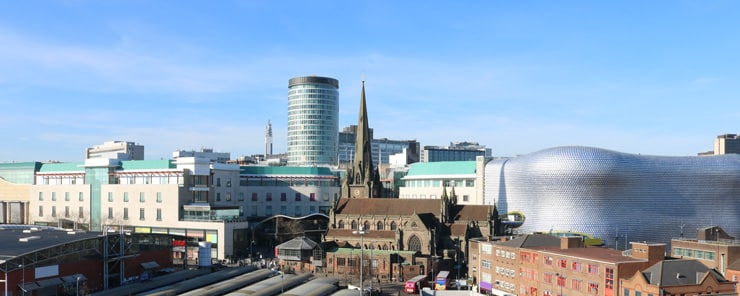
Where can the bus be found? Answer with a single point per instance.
(440, 282)
(414, 284)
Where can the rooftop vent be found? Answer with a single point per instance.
(27, 239)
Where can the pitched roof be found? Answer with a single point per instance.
(470, 213)
(679, 272)
(458, 230)
(298, 243)
(533, 241)
(371, 234)
(387, 206)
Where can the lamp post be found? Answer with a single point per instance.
(362, 233)
(23, 282)
(5, 282)
(78, 286)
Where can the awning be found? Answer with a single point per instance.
(150, 265)
(72, 279)
(50, 282)
(28, 286)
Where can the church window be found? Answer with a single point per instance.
(366, 225)
(341, 224)
(354, 224)
(413, 224)
(380, 226)
(393, 225)
(414, 243)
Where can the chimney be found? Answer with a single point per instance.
(571, 242)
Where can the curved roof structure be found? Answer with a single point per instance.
(618, 197)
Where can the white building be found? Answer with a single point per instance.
(427, 180)
(116, 149)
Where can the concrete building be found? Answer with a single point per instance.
(202, 200)
(206, 153)
(313, 120)
(712, 246)
(727, 144)
(382, 150)
(457, 151)
(617, 197)
(428, 180)
(116, 149)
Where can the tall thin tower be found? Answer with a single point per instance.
(363, 180)
(313, 120)
(268, 139)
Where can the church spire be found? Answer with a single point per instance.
(362, 179)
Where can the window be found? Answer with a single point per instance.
(41, 196)
(283, 210)
(393, 225)
(218, 196)
(125, 213)
(66, 196)
(626, 292)
(593, 269)
(379, 226)
(311, 209)
(638, 293)
(269, 196)
(80, 212)
(341, 224)
(268, 210)
(159, 197)
(66, 211)
(340, 261)
(609, 278)
(141, 197)
(593, 288)
(254, 196)
(326, 196)
(414, 243)
(486, 264)
(110, 213)
(254, 210)
(353, 225)
(548, 260)
(228, 196)
(53, 196)
(41, 211)
(576, 266)
(218, 182)
(110, 196)
(562, 263)
(80, 197)
(312, 197)
(366, 225)
(678, 251)
(228, 182)
(298, 210)
(297, 197)
(53, 211)
(141, 214)
(575, 284)
(241, 196)
(465, 198)
(283, 196)
(125, 197)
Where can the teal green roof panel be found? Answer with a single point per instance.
(62, 167)
(285, 170)
(442, 168)
(162, 164)
(30, 165)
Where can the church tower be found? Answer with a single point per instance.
(363, 180)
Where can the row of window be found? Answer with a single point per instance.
(284, 211)
(698, 254)
(431, 196)
(142, 214)
(284, 196)
(80, 196)
(575, 266)
(142, 197)
(378, 226)
(439, 183)
(67, 213)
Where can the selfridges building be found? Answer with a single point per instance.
(615, 196)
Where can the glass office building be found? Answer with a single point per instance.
(313, 120)
(615, 196)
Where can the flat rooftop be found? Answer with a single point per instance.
(18, 240)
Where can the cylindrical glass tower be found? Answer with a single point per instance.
(313, 120)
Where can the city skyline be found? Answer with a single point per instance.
(644, 78)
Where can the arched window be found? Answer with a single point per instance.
(379, 226)
(354, 224)
(366, 225)
(413, 224)
(385, 247)
(341, 224)
(393, 225)
(414, 243)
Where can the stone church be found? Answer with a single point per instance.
(429, 227)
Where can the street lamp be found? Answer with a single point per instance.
(23, 282)
(362, 233)
(78, 286)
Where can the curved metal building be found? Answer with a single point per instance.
(616, 196)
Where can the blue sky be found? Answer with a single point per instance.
(649, 77)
